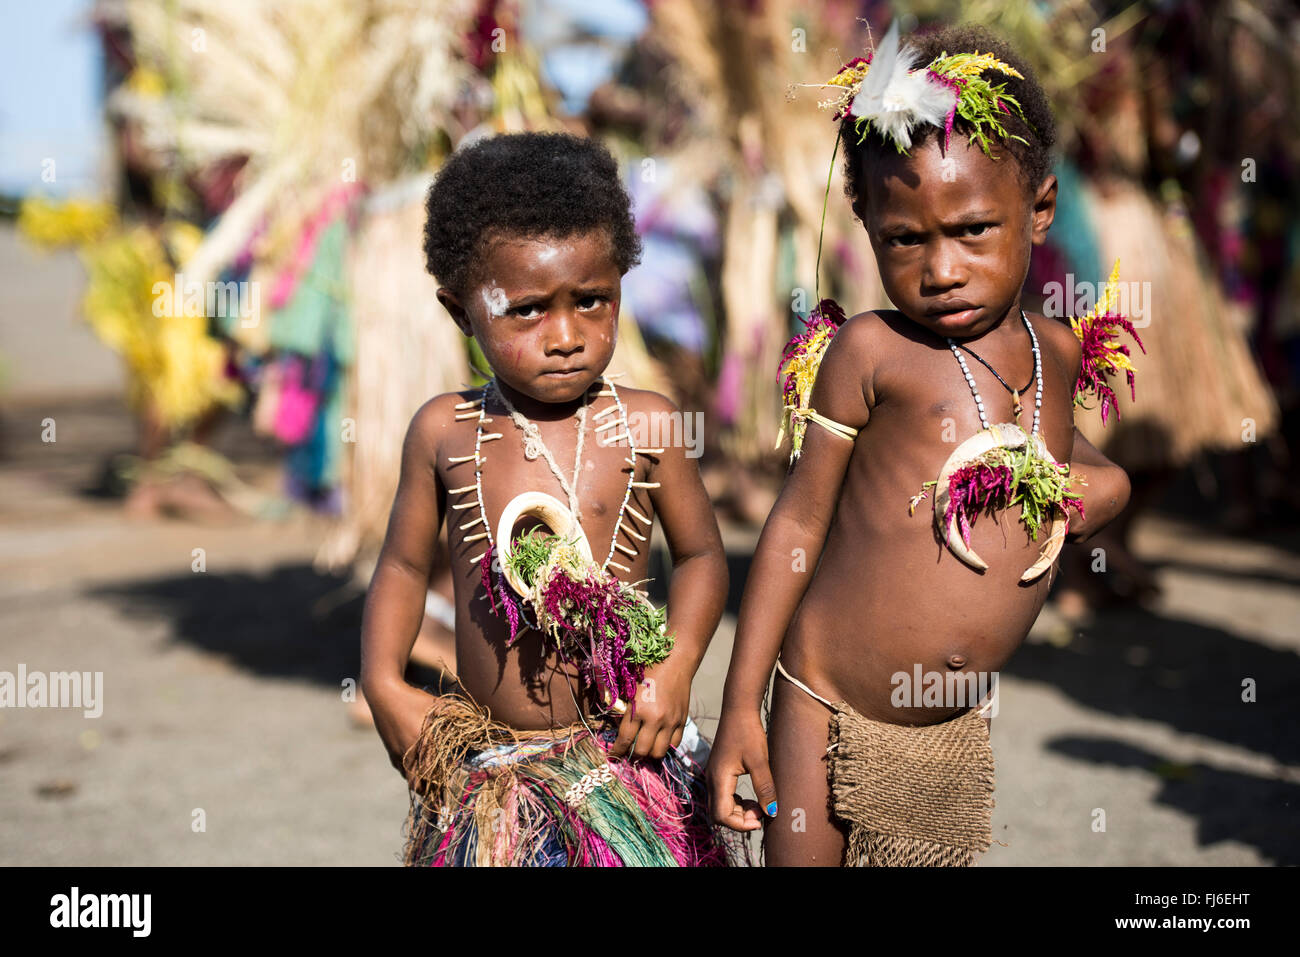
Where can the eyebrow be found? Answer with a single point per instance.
(594, 288)
(974, 216)
(961, 219)
(528, 299)
(898, 229)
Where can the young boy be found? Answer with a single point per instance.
(907, 778)
(529, 236)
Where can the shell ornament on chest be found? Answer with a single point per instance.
(982, 471)
(1002, 465)
(608, 628)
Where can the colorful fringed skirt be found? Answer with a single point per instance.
(483, 794)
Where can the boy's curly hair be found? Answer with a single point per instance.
(1034, 159)
(528, 185)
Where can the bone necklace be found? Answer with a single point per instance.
(534, 446)
(524, 504)
(1006, 435)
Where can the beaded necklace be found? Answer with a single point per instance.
(1038, 377)
(986, 472)
(1015, 393)
(477, 409)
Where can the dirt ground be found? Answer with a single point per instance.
(223, 703)
(223, 690)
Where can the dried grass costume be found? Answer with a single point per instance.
(484, 794)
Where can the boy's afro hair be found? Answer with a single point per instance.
(1034, 159)
(528, 185)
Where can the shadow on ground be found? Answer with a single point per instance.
(1134, 663)
(1227, 805)
(290, 622)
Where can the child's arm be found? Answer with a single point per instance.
(784, 561)
(697, 591)
(1105, 494)
(394, 605)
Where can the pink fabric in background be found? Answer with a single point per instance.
(297, 408)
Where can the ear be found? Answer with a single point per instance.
(451, 302)
(1044, 210)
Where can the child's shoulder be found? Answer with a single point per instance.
(644, 401)
(655, 421)
(437, 415)
(868, 337)
(877, 327)
(1057, 339)
(847, 373)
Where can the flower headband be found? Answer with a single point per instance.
(888, 92)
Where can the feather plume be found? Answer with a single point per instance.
(896, 96)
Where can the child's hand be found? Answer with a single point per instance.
(399, 714)
(662, 706)
(740, 747)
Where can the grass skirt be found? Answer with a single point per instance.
(484, 794)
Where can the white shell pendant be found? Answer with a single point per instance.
(552, 513)
(1003, 435)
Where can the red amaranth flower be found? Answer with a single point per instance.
(485, 573)
(829, 315)
(974, 488)
(511, 608)
(586, 614)
(1099, 362)
(1075, 502)
(955, 85)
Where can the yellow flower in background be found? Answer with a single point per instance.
(146, 81)
(850, 75)
(1107, 303)
(75, 222)
(173, 364)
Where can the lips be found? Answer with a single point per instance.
(950, 306)
(564, 373)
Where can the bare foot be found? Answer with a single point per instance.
(193, 497)
(144, 500)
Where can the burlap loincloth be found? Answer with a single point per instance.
(912, 796)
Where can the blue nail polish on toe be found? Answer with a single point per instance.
(771, 809)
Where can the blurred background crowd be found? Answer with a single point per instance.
(282, 150)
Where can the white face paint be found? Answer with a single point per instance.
(494, 298)
(547, 254)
